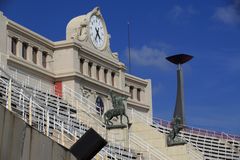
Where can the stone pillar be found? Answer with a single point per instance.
(142, 95)
(49, 62)
(109, 103)
(3, 31)
(109, 77)
(19, 48)
(9, 44)
(134, 93)
(39, 57)
(127, 88)
(29, 53)
(85, 67)
(121, 79)
(94, 71)
(101, 74)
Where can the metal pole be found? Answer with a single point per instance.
(47, 125)
(9, 106)
(129, 53)
(30, 111)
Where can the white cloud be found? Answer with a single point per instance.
(147, 56)
(179, 11)
(228, 14)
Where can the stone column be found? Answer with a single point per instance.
(142, 96)
(19, 48)
(9, 44)
(49, 62)
(116, 80)
(134, 93)
(127, 88)
(109, 77)
(121, 79)
(109, 103)
(94, 70)
(101, 74)
(85, 67)
(29, 53)
(39, 57)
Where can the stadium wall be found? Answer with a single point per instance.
(19, 141)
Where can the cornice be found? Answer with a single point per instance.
(131, 78)
(15, 26)
(137, 104)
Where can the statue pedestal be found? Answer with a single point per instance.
(118, 134)
(175, 141)
(120, 126)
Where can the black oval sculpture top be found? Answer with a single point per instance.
(179, 58)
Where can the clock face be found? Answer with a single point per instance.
(97, 32)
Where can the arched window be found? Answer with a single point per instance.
(100, 105)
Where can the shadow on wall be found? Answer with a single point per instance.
(19, 141)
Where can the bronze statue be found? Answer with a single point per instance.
(118, 110)
(173, 138)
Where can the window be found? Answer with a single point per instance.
(98, 72)
(90, 69)
(34, 55)
(138, 94)
(99, 105)
(14, 46)
(81, 65)
(131, 91)
(105, 75)
(24, 50)
(44, 59)
(112, 77)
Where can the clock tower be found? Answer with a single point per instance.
(90, 31)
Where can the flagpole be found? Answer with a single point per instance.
(129, 50)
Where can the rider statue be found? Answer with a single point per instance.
(118, 110)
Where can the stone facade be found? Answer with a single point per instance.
(75, 62)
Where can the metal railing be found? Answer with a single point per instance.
(90, 107)
(119, 150)
(40, 118)
(200, 131)
(208, 142)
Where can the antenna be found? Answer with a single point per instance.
(129, 50)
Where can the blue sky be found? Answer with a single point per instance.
(208, 30)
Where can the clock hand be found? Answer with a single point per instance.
(97, 35)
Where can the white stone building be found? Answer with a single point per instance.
(83, 62)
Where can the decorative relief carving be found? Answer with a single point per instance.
(86, 93)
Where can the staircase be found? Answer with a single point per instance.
(86, 112)
(49, 118)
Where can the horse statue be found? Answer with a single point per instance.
(118, 110)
